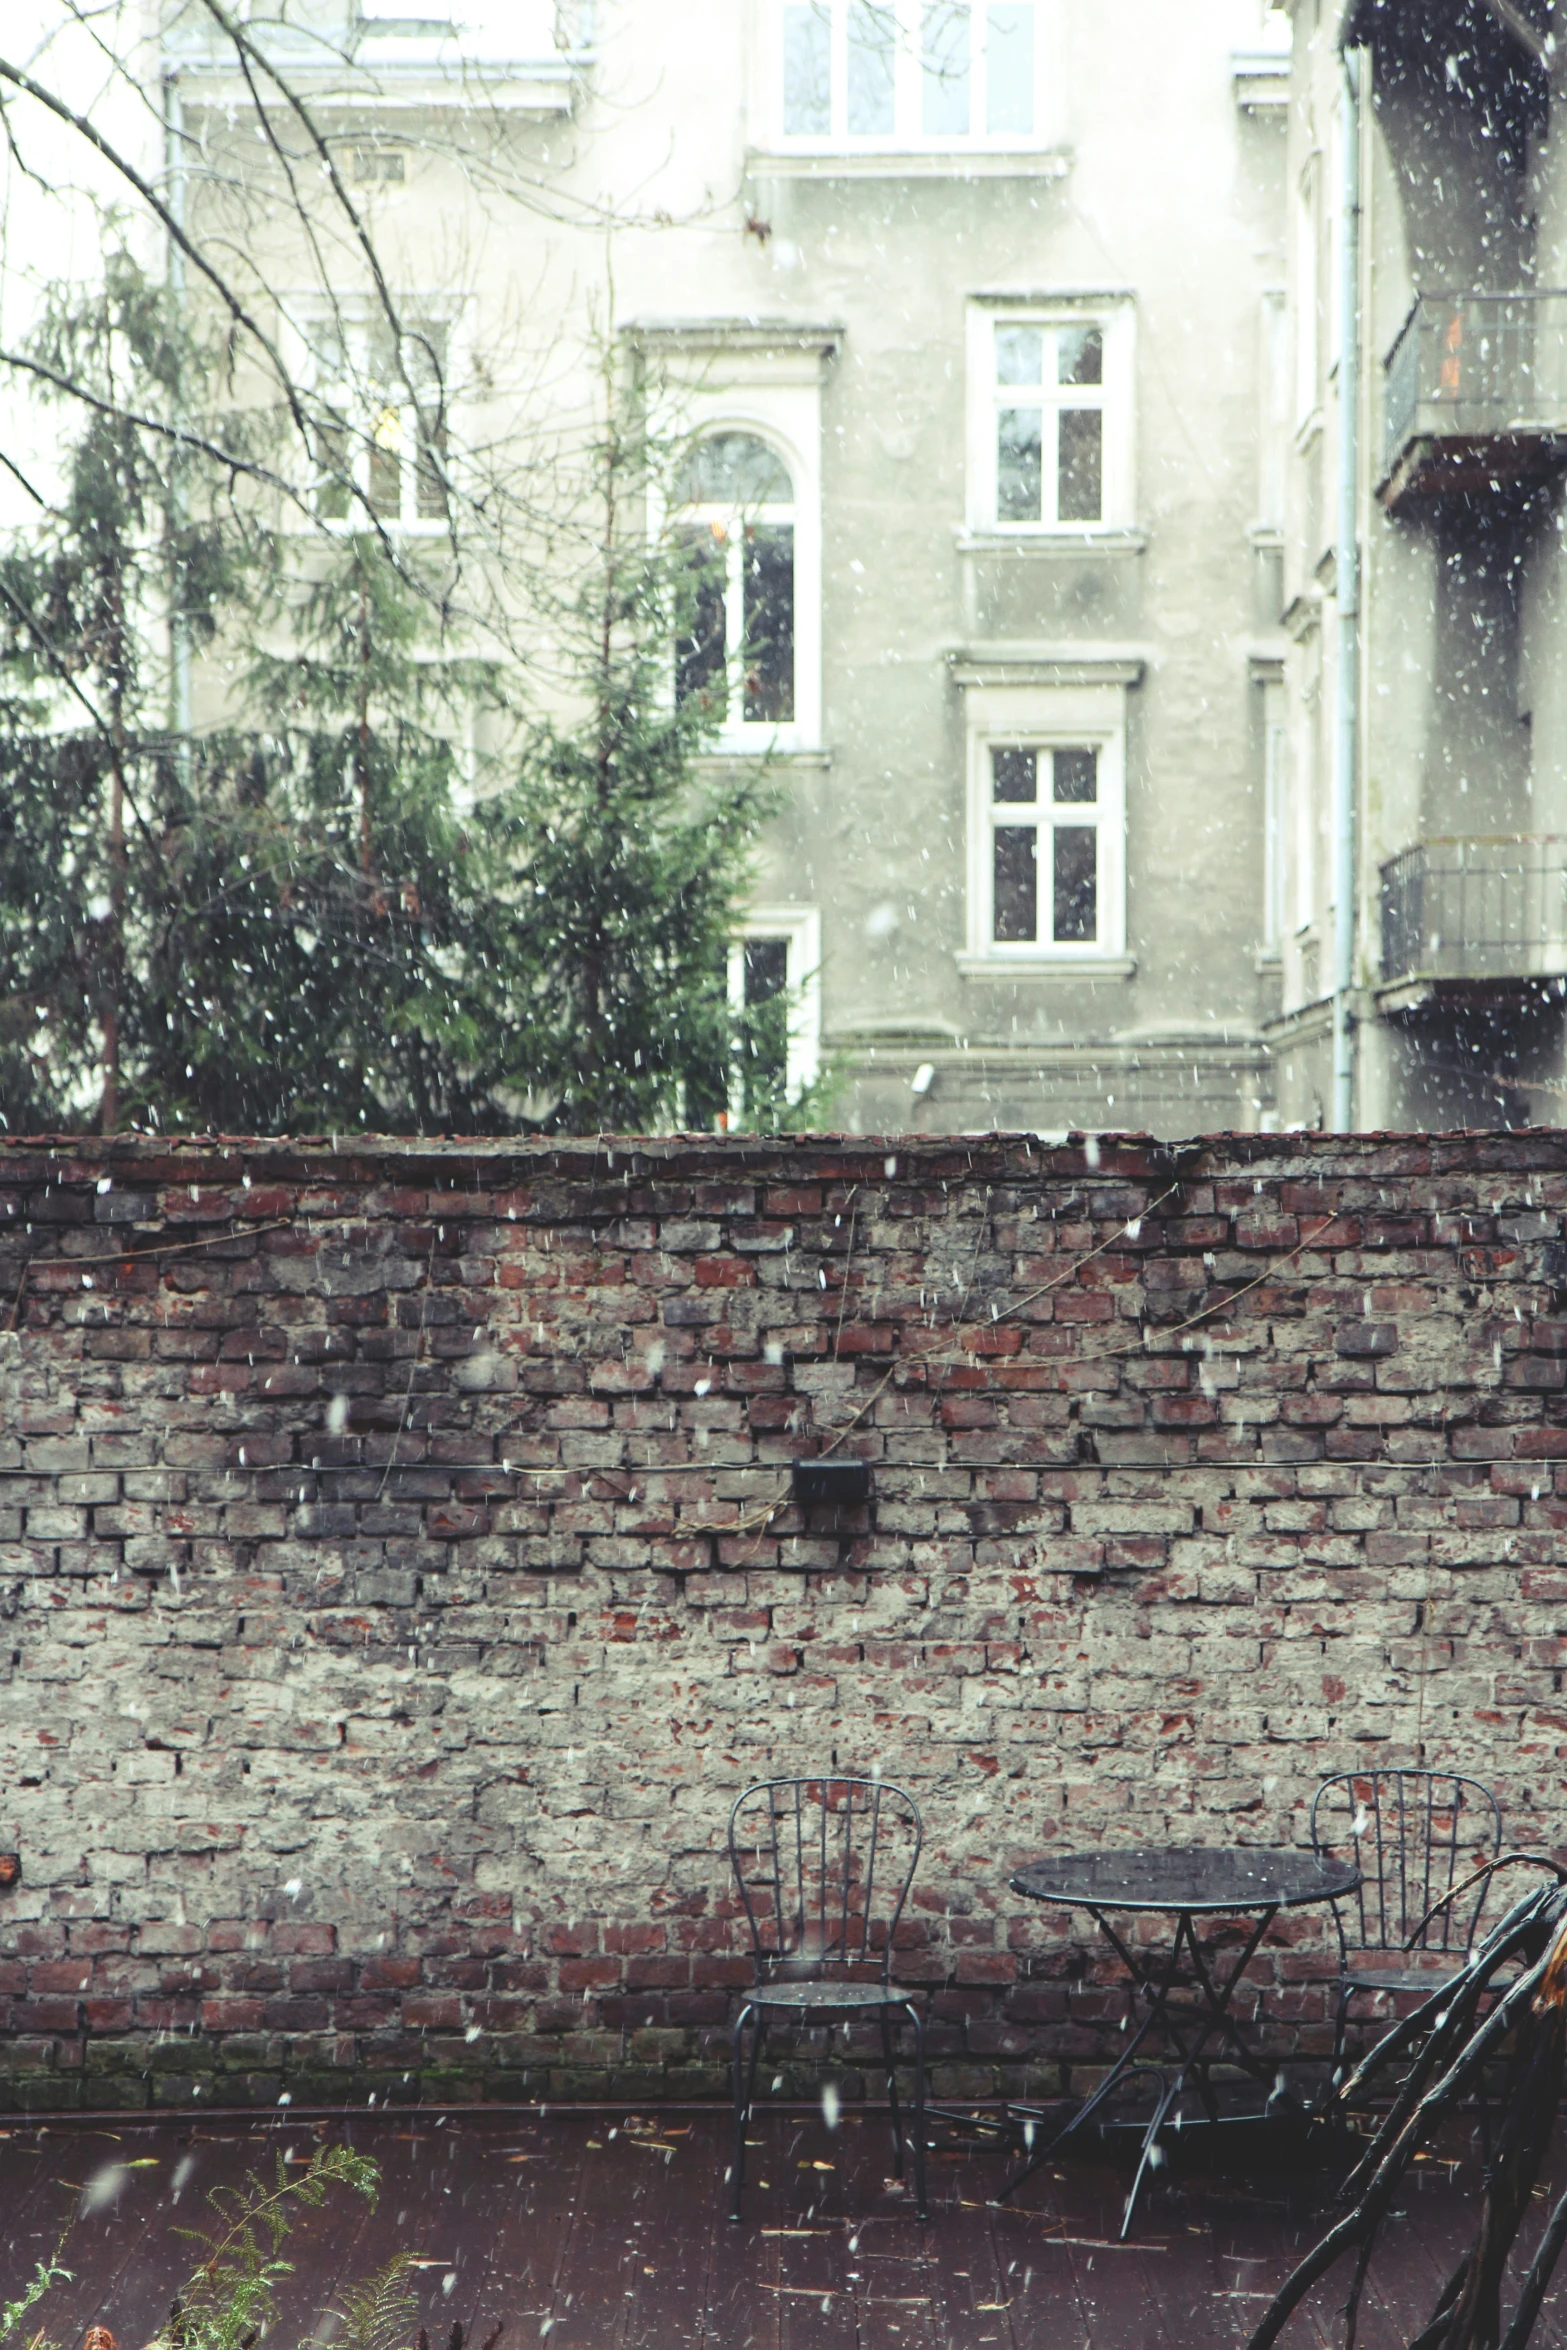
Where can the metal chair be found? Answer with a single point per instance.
(810, 1857)
(1414, 1835)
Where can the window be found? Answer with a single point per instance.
(764, 1043)
(734, 515)
(1274, 420)
(743, 402)
(775, 977)
(1044, 859)
(907, 74)
(388, 165)
(382, 404)
(1050, 458)
(1047, 848)
(1051, 397)
(1307, 290)
(1274, 845)
(477, 31)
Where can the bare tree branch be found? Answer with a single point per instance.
(196, 442)
(149, 195)
(1539, 45)
(250, 55)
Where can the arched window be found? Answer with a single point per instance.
(734, 515)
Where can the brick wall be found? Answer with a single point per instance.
(398, 1581)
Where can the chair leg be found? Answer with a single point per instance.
(1340, 2034)
(889, 2057)
(744, 2092)
(918, 2022)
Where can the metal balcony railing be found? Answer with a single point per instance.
(1479, 369)
(1482, 908)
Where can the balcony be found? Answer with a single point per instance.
(1478, 915)
(1476, 396)
(384, 59)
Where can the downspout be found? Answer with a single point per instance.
(179, 618)
(1347, 601)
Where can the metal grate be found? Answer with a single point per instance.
(1481, 908)
(1478, 367)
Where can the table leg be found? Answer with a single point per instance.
(1194, 2061)
(1125, 2063)
(1145, 2159)
(1220, 1995)
(1190, 2045)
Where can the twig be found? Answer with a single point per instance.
(1219, 1305)
(1467, 2316)
(843, 1290)
(122, 1256)
(1536, 1860)
(1538, 45)
(413, 1373)
(930, 1360)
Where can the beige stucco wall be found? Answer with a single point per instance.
(649, 203)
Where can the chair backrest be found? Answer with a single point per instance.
(824, 1868)
(1413, 1835)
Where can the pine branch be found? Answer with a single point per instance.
(126, 170)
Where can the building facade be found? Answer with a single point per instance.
(977, 311)
(1426, 777)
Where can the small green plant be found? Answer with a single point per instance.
(375, 2315)
(229, 2300)
(46, 2273)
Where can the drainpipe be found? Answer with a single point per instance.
(1347, 600)
(179, 619)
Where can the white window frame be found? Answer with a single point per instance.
(1046, 718)
(529, 27)
(1304, 774)
(1275, 860)
(908, 135)
(727, 521)
(1310, 326)
(1273, 435)
(708, 385)
(359, 318)
(800, 927)
(1115, 396)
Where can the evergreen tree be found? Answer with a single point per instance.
(290, 915)
(306, 918)
(89, 783)
(628, 862)
(259, 927)
(378, 885)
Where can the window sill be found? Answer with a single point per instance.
(392, 75)
(1004, 968)
(908, 163)
(1003, 663)
(363, 525)
(1262, 80)
(1108, 539)
(722, 754)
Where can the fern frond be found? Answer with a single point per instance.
(376, 2314)
(230, 2298)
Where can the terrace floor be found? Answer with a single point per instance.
(596, 2229)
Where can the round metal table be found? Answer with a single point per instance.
(1186, 1885)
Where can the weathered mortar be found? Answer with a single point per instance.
(391, 1749)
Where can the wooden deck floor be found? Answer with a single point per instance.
(592, 2230)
